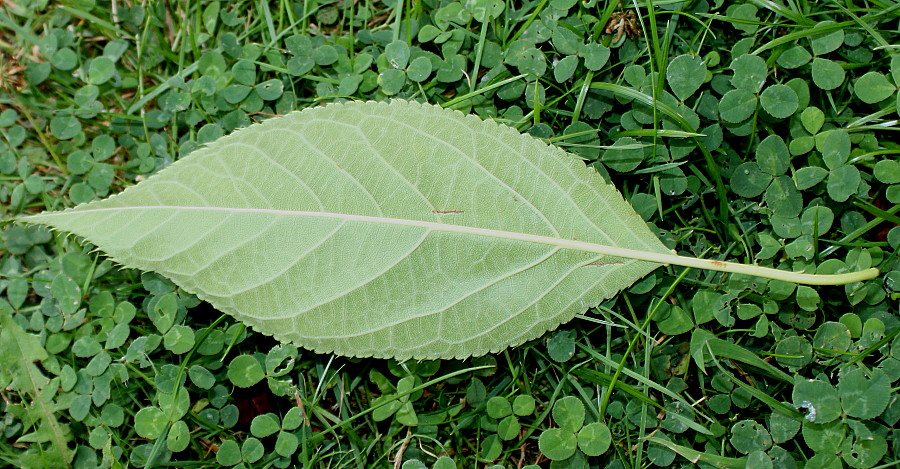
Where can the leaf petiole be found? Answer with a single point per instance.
(732, 267)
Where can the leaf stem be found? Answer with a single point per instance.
(737, 268)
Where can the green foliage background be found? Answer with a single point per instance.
(755, 131)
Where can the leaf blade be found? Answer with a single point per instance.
(424, 233)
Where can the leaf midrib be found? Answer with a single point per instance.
(428, 225)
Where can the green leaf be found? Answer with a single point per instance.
(406, 415)
(595, 56)
(508, 428)
(201, 377)
(484, 10)
(326, 54)
(65, 127)
(150, 422)
(20, 352)
(557, 444)
(685, 75)
(759, 460)
(245, 371)
(749, 73)
(565, 68)
(64, 59)
(824, 437)
(179, 339)
(280, 360)
(498, 407)
(624, 155)
(419, 69)
(561, 346)
(794, 57)
(527, 58)
(834, 146)
(825, 461)
(300, 65)
(594, 439)
(873, 87)
(819, 399)
(887, 171)
(523, 405)
(843, 183)
(102, 69)
(397, 54)
(773, 156)
(779, 100)
(244, 72)
(286, 444)
(782, 428)
(827, 75)
(264, 425)
(737, 105)
(444, 462)
(179, 437)
(163, 312)
(677, 322)
(863, 396)
(863, 452)
(748, 180)
(234, 94)
(566, 42)
(816, 220)
(270, 90)
(392, 81)
(79, 162)
(784, 198)
(568, 413)
(812, 118)
(229, 453)
(832, 336)
(66, 292)
(103, 147)
(824, 43)
(793, 352)
(219, 243)
(747, 436)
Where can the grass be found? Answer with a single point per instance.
(761, 132)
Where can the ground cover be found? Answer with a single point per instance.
(756, 131)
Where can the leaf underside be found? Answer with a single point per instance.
(377, 229)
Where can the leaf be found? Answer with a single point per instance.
(874, 87)
(737, 105)
(827, 74)
(779, 100)
(685, 74)
(750, 72)
(19, 351)
(824, 43)
(594, 439)
(389, 230)
(568, 413)
(150, 422)
(818, 398)
(862, 396)
(245, 371)
(748, 436)
(557, 444)
(374, 229)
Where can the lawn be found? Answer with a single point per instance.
(760, 132)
